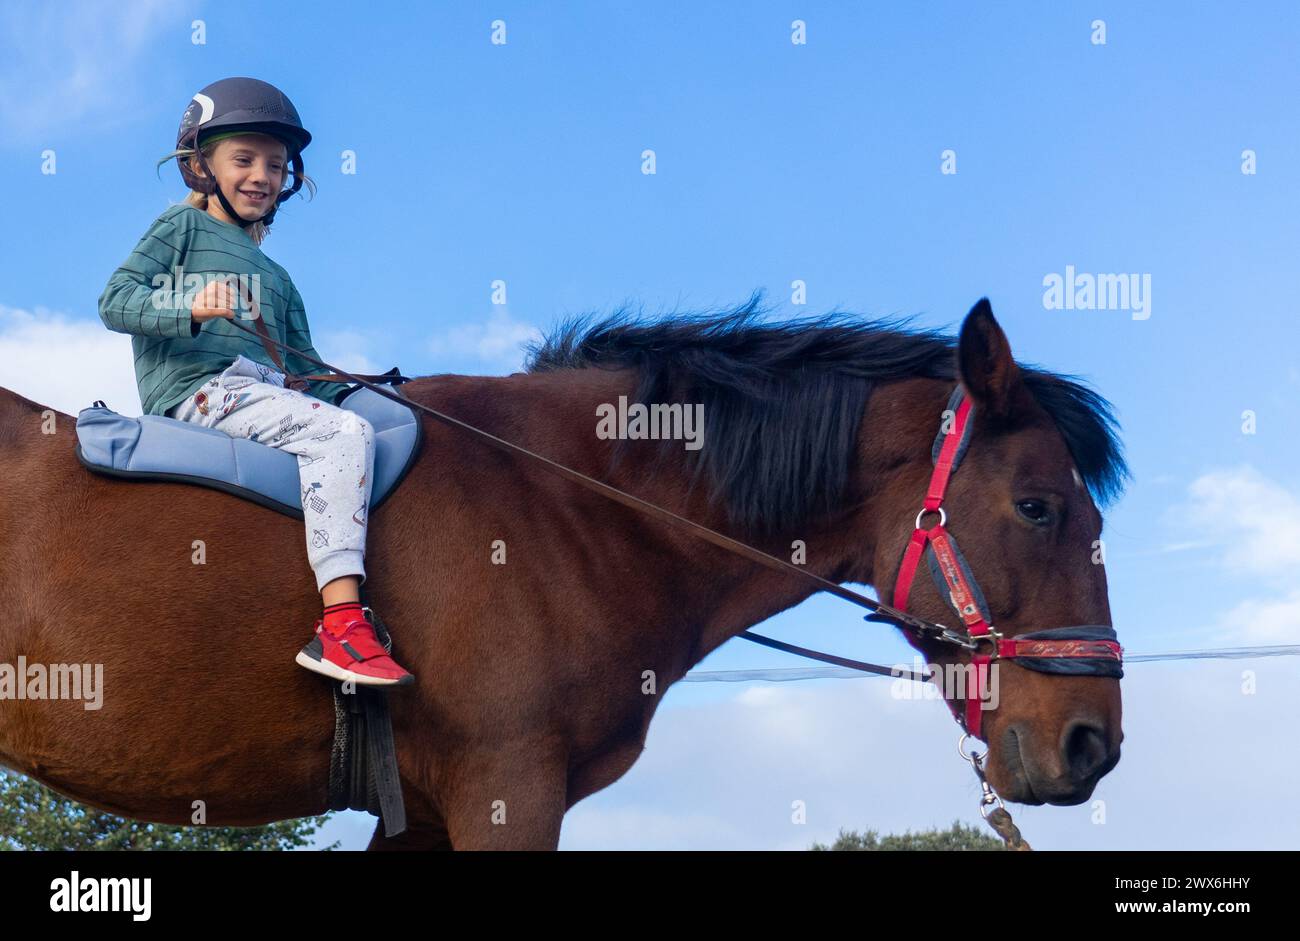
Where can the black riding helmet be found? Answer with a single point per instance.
(241, 104)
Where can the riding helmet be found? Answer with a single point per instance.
(241, 104)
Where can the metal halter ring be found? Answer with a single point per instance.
(972, 757)
(943, 517)
(993, 638)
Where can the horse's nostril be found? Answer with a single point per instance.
(1085, 750)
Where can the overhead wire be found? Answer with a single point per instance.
(842, 673)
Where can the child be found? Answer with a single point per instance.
(236, 138)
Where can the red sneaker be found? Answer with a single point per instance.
(355, 655)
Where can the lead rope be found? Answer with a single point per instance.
(996, 817)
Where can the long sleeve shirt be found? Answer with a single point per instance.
(149, 297)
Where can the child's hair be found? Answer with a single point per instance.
(257, 231)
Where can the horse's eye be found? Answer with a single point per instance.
(1035, 511)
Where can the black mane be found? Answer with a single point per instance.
(785, 399)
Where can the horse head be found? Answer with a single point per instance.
(1030, 560)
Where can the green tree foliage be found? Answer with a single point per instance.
(33, 817)
(957, 837)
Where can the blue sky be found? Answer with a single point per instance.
(775, 162)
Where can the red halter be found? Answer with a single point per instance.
(1079, 650)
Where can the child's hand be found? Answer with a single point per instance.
(217, 299)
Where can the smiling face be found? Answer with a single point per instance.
(250, 169)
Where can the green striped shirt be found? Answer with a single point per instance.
(149, 297)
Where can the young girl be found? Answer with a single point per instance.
(236, 139)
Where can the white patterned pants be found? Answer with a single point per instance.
(335, 448)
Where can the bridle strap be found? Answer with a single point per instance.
(948, 455)
(1087, 650)
(1082, 650)
(947, 461)
(961, 590)
(911, 561)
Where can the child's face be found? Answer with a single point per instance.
(251, 171)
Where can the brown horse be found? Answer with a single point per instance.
(543, 622)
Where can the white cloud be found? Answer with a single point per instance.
(728, 775)
(349, 345)
(714, 777)
(1186, 546)
(1264, 621)
(1243, 512)
(496, 341)
(1239, 514)
(626, 828)
(76, 66)
(67, 363)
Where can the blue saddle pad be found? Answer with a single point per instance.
(155, 447)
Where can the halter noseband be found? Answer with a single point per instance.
(1080, 650)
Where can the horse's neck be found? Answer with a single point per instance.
(713, 594)
(23, 420)
(13, 405)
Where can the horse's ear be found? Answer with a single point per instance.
(988, 370)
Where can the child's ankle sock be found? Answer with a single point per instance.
(337, 616)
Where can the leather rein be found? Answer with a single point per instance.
(1077, 650)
